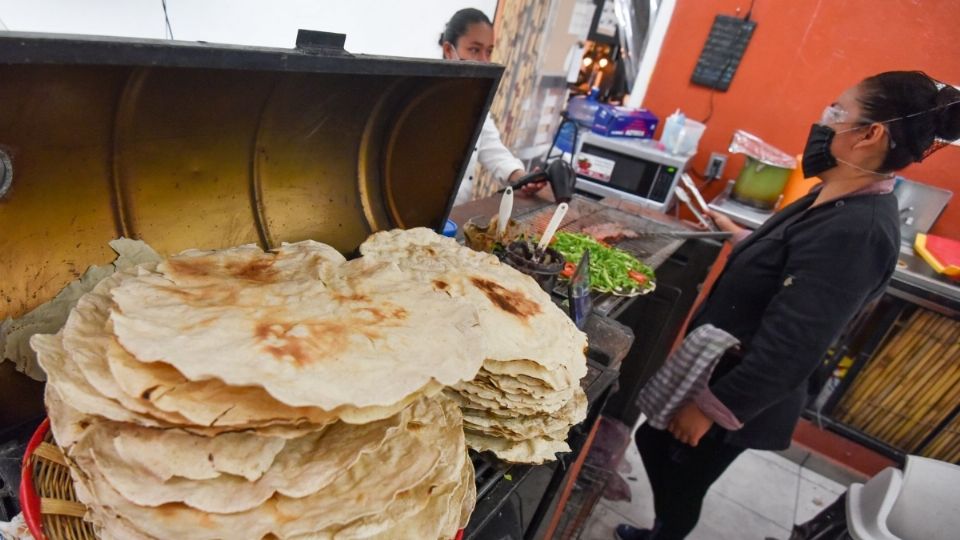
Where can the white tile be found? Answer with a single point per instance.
(813, 499)
(601, 524)
(833, 470)
(725, 519)
(824, 482)
(776, 459)
(762, 486)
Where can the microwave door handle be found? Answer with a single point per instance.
(654, 178)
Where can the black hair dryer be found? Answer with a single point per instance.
(561, 176)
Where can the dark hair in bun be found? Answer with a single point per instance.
(948, 119)
(460, 22)
(918, 111)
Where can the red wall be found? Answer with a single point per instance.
(803, 54)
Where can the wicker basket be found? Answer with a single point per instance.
(49, 503)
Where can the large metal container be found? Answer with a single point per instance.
(197, 145)
(190, 145)
(759, 184)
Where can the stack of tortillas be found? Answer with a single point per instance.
(243, 394)
(527, 395)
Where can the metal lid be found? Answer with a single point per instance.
(192, 145)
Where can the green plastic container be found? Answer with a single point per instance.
(759, 184)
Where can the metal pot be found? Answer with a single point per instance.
(759, 184)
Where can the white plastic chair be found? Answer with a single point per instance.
(928, 507)
(869, 505)
(922, 503)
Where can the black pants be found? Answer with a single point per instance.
(681, 475)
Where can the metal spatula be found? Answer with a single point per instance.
(551, 229)
(506, 209)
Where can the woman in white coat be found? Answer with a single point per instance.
(469, 36)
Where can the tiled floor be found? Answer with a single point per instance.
(761, 496)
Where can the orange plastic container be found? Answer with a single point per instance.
(943, 254)
(797, 186)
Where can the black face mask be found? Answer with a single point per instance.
(816, 154)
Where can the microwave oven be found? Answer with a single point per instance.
(637, 170)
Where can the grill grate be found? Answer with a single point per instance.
(649, 248)
(579, 209)
(488, 472)
(587, 213)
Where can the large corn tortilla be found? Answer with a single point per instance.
(168, 453)
(305, 344)
(68, 381)
(425, 510)
(439, 518)
(239, 477)
(518, 428)
(243, 394)
(532, 451)
(66, 423)
(532, 373)
(484, 390)
(527, 395)
(512, 307)
(370, 485)
(213, 402)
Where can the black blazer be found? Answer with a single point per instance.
(786, 292)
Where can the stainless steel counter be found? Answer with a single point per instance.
(913, 279)
(916, 281)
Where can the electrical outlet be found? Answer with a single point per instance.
(718, 162)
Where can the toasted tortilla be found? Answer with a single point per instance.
(372, 483)
(531, 451)
(243, 470)
(305, 343)
(519, 318)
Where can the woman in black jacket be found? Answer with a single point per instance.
(790, 287)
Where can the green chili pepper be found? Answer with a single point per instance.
(610, 268)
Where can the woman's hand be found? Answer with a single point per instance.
(726, 224)
(528, 189)
(534, 187)
(689, 425)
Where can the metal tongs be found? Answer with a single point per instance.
(700, 214)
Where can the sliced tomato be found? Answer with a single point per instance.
(568, 269)
(638, 277)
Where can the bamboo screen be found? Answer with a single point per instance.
(910, 387)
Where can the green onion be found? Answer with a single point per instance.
(609, 266)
